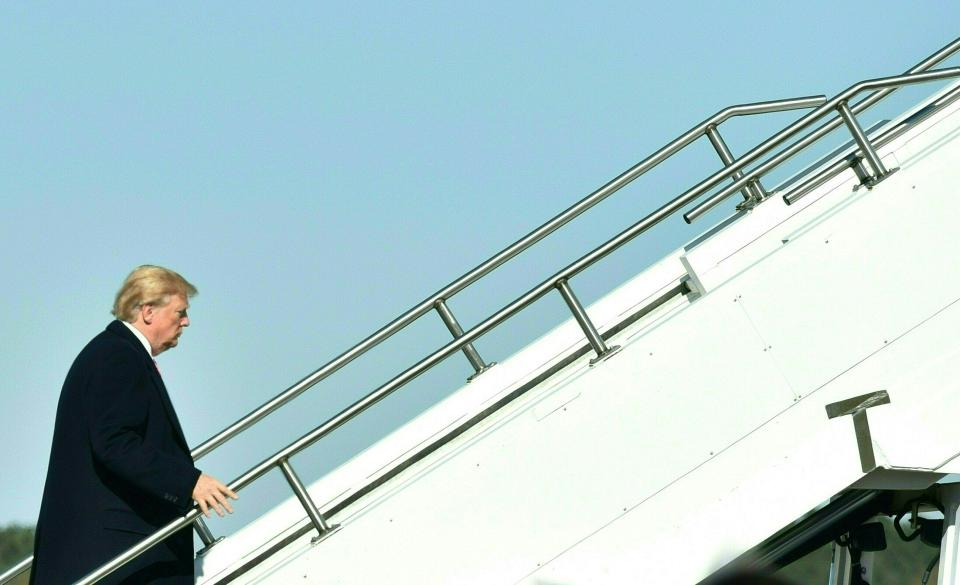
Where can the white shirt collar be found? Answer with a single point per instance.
(141, 337)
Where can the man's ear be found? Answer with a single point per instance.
(147, 313)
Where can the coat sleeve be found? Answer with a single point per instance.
(117, 410)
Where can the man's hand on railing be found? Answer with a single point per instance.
(210, 493)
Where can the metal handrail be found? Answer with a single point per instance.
(771, 143)
(804, 182)
(15, 570)
(559, 281)
(837, 102)
(500, 258)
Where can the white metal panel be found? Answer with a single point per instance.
(949, 569)
(500, 380)
(761, 232)
(879, 270)
(529, 486)
(919, 429)
(778, 472)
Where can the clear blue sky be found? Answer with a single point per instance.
(317, 168)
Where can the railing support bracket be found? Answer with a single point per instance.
(476, 374)
(871, 182)
(203, 551)
(607, 355)
(877, 172)
(580, 314)
(321, 537)
(300, 490)
(471, 353)
(206, 536)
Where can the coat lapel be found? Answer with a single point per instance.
(151, 367)
(168, 405)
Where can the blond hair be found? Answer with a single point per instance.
(149, 285)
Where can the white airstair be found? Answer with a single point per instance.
(759, 393)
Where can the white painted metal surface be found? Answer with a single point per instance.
(703, 436)
(950, 547)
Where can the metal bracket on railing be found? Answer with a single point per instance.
(754, 192)
(885, 85)
(748, 204)
(860, 170)
(206, 536)
(580, 314)
(319, 522)
(473, 356)
(877, 172)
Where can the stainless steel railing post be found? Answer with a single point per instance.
(206, 536)
(203, 531)
(305, 500)
(754, 191)
(473, 356)
(869, 153)
(580, 314)
(885, 84)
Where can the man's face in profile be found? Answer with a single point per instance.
(169, 321)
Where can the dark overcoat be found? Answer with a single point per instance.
(119, 469)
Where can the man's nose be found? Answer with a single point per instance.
(185, 322)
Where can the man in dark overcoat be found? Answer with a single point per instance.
(120, 467)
